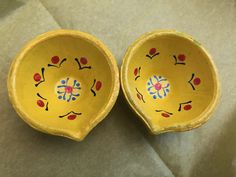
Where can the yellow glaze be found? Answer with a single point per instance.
(64, 83)
(184, 87)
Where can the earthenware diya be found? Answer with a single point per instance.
(64, 83)
(170, 81)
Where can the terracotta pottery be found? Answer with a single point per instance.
(170, 81)
(64, 83)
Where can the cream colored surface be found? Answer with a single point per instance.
(120, 146)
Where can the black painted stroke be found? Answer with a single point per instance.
(164, 111)
(180, 105)
(94, 93)
(138, 76)
(57, 66)
(42, 71)
(190, 81)
(80, 67)
(46, 109)
(176, 61)
(70, 113)
(140, 95)
(152, 56)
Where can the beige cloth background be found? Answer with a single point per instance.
(120, 145)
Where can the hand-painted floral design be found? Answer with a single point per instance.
(194, 81)
(68, 89)
(137, 73)
(83, 63)
(152, 53)
(185, 105)
(158, 87)
(71, 115)
(56, 62)
(41, 102)
(140, 95)
(97, 85)
(164, 113)
(39, 78)
(180, 59)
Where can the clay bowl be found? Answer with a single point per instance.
(170, 81)
(64, 83)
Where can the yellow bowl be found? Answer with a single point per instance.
(170, 81)
(64, 82)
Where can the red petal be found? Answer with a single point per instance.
(165, 115)
(71, 117)
(197, 81)
(37, 77)
(40, 103)
(187, 107)
(181, 57)
(55, 59)
(152, 51)
(83, 60)
(98, 85)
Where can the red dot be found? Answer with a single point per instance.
(152, 51)
(55, 59)
(165, 115)
(181, 57)
(135, 71)
(98, 85)
(71, 117)
(40, 103)
(37, 77)
(139, 97)
(83, 60)
(68, 89)
(187, 107)
(158, 86)
(197, 81)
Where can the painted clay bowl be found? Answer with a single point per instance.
(64, 83)
(170, 81)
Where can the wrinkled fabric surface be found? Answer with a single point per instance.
(120, 145)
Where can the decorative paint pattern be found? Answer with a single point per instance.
(194, 81)
(68, 89)
(139, 95)
(158, 87)
(185, 105)
(152, 53)
(55, 62)
(41, 102)
(39, 78)
(180, 59)
(82, 63)
(137, 73)
(164, 113)
(71, 115)
(96, 87)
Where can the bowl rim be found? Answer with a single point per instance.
(196, 122)
(79, 135)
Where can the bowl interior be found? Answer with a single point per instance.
(63, 82)
(169, 80)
